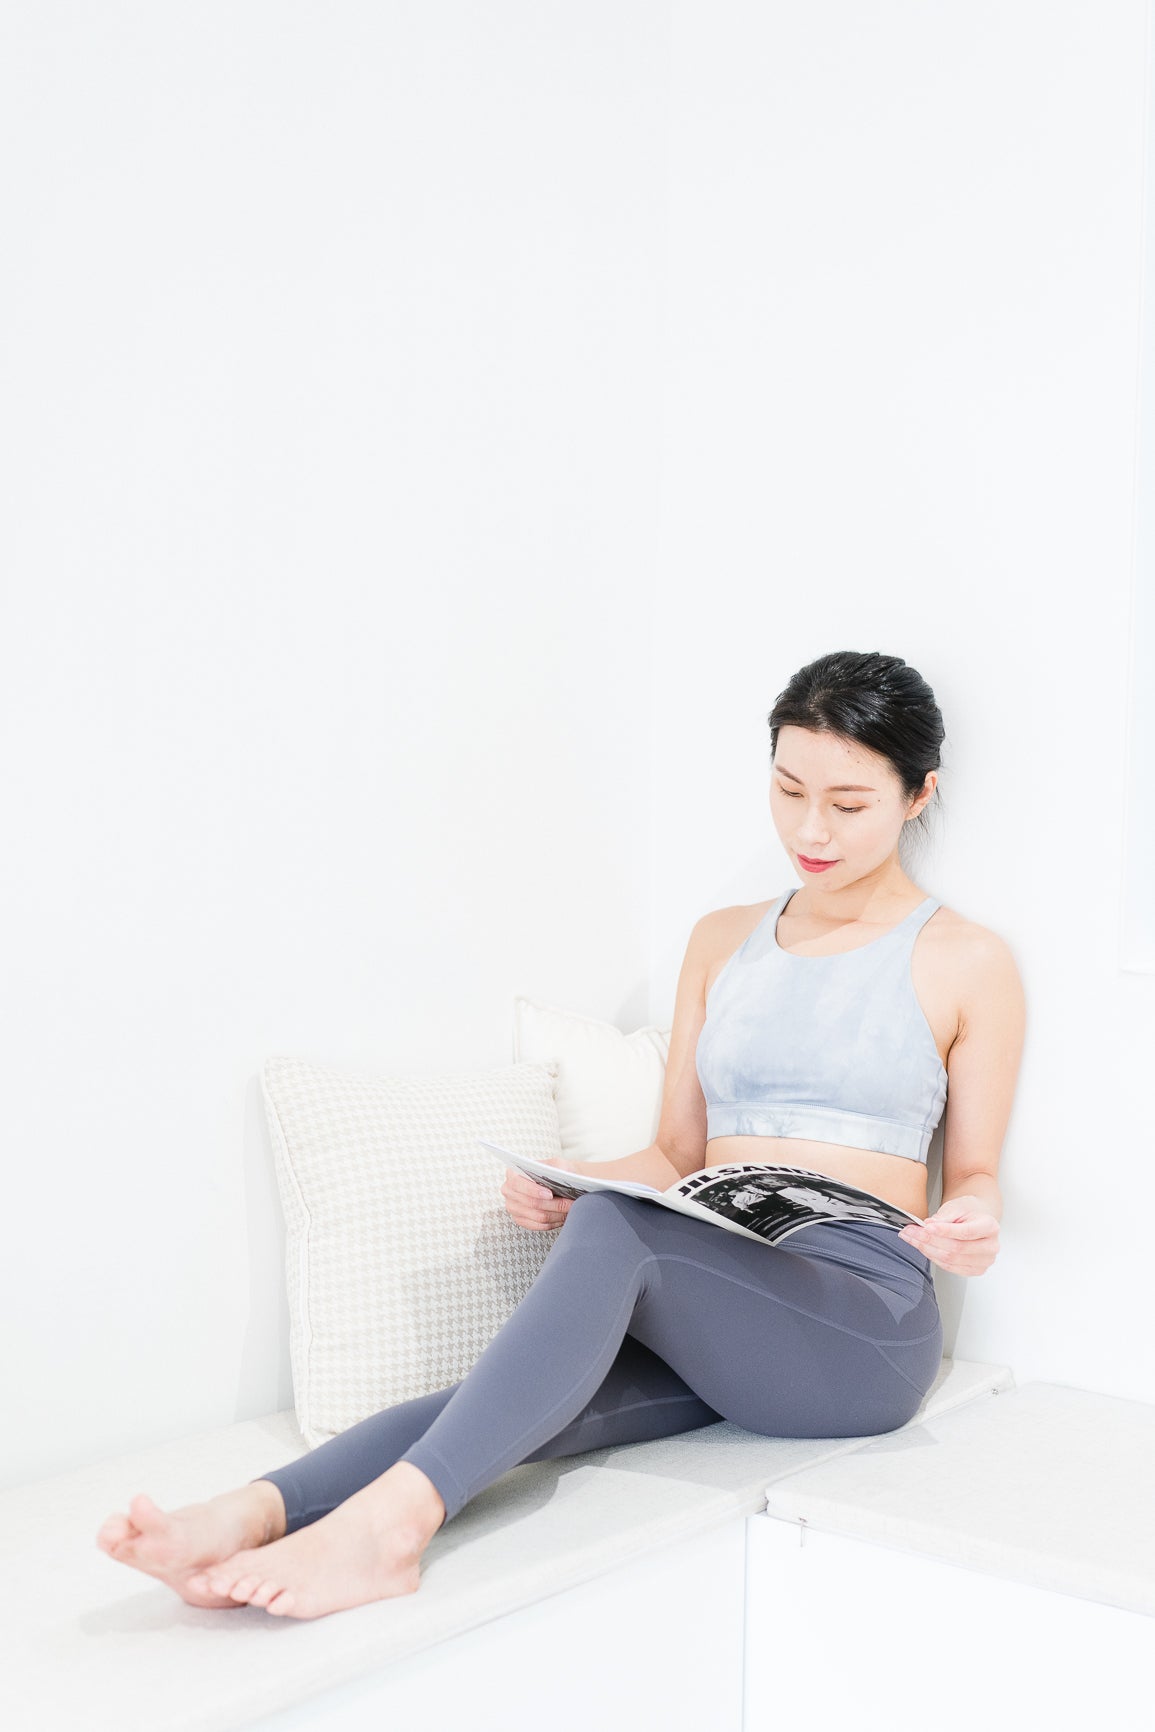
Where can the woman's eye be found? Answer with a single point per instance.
(792, 794)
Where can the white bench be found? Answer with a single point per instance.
(608, 1584)
(995, 1564)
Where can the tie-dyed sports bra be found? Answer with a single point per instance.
(836, 1049)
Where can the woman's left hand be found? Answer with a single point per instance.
(962, 1236)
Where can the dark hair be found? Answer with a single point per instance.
(878, 702)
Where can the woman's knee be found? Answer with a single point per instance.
(607, 1217)
(605, 1205)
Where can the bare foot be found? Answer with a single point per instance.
(367, 1548)
(174, 1545)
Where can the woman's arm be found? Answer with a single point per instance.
(982, 1072)
(648, 1167)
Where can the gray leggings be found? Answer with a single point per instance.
(641, 1323)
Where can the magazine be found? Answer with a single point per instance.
(753, 1198)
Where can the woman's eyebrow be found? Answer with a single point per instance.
(838, 788)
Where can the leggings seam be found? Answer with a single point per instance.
(815, 1316)
(632, 1407)
(898, 1368)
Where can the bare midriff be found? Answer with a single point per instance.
(893, 1177)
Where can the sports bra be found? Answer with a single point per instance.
(836, 1049)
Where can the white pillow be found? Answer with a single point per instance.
(609, 1084)
(402, 1261)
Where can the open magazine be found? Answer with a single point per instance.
(761, 1201)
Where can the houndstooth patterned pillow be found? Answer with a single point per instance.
(402, 1261)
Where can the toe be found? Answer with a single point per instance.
(147, 1516)
(280, 1604)
(245, 1588)
(227, 1575)
(117, 1527)
(264, 1593)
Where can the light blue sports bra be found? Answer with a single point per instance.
(836, 1049)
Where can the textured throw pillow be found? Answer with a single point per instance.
(402, 1261)
(609, 1084)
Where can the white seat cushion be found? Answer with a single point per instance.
(92, 1644)
(1048, 1485)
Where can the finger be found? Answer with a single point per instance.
(529, 1208)
(536, 1211)
(976, 1227)
(533, 1187)
(937, 1247)
(956, 1259)
(931, 1239)
(530, 1185)
(532, 1192)
(529, 1218)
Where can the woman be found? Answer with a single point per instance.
(820, 1030)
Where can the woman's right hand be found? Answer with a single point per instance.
(530, 1204)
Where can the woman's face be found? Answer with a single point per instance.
(818, 815)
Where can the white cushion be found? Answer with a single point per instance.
(609, 1084)
(402, 1261)
(1049, 1485)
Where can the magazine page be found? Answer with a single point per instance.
(562, 1182)
(774, 1202)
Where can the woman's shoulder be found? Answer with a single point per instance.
(968, 934)
(987, 987)
(980, 954)
(734, 923)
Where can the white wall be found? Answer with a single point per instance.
(330, 431)
(1137, 907)
(434, 435)
(901, 364)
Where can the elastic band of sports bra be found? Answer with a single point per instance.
(819, 1125)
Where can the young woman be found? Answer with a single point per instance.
(818, 1030)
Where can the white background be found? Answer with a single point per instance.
(432, 436)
